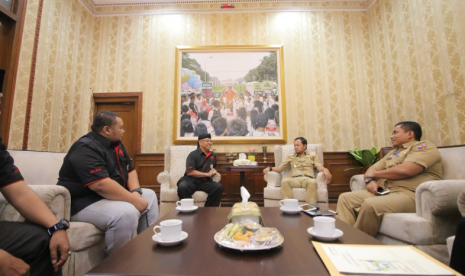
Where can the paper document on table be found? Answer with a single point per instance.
(379, 260)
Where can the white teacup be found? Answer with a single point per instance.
(170, 230)
(324, 226)
(186, 203)
(289, 204)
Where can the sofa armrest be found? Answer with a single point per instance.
(461, 203)
(273, 179)
(357, 183)
(57, 198)
(217, 177)
(322, 188)
(438, 198)
(164, 179)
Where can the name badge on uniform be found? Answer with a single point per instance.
(389, 158)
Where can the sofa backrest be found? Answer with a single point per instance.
(453, 160)
(281, 152)
(38, 167)
(175, 162)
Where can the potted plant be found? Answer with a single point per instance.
(231, 156)
(367, 157)
(251, 155)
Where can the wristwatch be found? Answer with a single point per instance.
(139, 190)
(369, 179)
(63, 224)
(271, 168)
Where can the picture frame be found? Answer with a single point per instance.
(240, 85)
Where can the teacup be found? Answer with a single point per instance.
(289, 204)
(324, 226)
(186, 203)
(170, 230)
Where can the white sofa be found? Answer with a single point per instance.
(175, 167)
(40, 171)
(272, 194)
(437, 213)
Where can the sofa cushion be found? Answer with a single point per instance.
(274, 193)
(407, 227)
(38, 168)
(171, 195)
(82, 235)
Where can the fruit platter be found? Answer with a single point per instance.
(248, 235)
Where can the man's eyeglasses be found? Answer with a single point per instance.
(207, 141)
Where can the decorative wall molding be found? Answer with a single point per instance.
(160, 7)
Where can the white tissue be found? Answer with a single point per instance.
(245, 197)
(242, 156)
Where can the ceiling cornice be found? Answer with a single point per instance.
(161, 7)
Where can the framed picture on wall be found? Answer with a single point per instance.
(235, 93)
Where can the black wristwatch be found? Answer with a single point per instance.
(139, 190)
(271, 168)
(369, 179)
(63, 224)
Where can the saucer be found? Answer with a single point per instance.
(337, 234)
(291, 212)
(156, 238)
(187, 210)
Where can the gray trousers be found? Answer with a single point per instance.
(119, 219)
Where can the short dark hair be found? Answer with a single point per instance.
(302, 139)
(184, 108)
(203, 115)
(275, 106)
(185, 116)
(411, 126)
(103, 119)
(270, 113)
(214, 117)
(219, 125)
(258, 104)
(186, 127)
(216, 103)
(242, 113)
(276, 117)
(200, 128)
(253, 117)
(262, 120)
(237, 127)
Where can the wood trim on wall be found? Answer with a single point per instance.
(149, 165)
(30, 91)
(114, 97)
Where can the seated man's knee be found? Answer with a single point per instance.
(128, 218)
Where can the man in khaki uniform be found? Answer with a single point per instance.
(301, 163)
(409, 164)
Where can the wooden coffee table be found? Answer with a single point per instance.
(199, 254)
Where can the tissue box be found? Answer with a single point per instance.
(238, 214)
(241, 162)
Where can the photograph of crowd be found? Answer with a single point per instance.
(229, 94)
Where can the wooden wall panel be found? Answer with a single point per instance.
(336, 163)
(149, 165)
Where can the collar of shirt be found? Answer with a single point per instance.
(409, 144)
(104, 141)
(199, 150)
(305, 152)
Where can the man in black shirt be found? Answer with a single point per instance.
(27, 246)
(104, 185)
(200, 168)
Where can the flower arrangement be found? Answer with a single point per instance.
(252, 152)
(231, 154)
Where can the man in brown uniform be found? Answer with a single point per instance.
(409, 164)
(302, 164)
